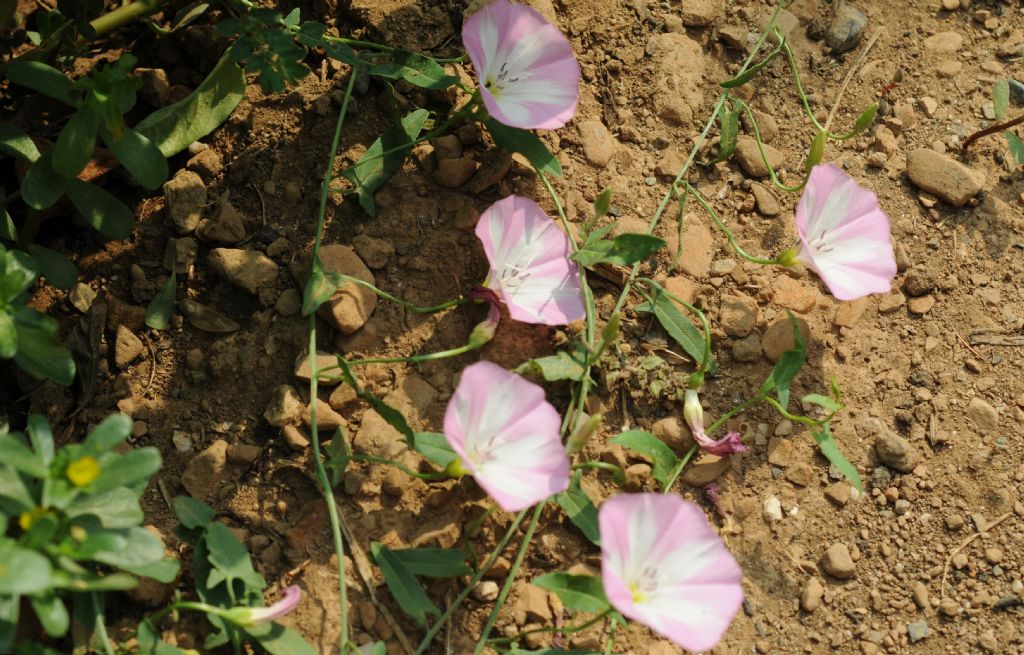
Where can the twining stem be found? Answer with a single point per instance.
(679, 467)
(991, 129)
(507, 587)
(439, 475)
(764, 155)
(314, 377)
(101, 624)
(430, 309)
(569, 629)
(846, 82)
(728, 233)
(125, 14)
(738, 409)
(484, 568)
(610, 643)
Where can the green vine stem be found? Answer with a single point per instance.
(764, 156)
(314, 377)
(507, 587)
(439, 475)
(677, 471)
(569, 629)
(725, 230)
(610, 643)
(484, 568)
(100, 623)
(125, 14)
(430, 309)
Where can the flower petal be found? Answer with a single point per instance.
(529, 76)
(530, 265)
(664, 566)
(507, 435)
(845, 237)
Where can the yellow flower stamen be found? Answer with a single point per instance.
(28, 518)
(83, 471)
(455, 469)
(634, 590)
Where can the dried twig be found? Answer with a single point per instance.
(965, 544)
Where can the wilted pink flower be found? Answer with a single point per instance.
(529, 76)
(253, 615)
(530, 265)
(694, 415)
(664, 566)
(844, 235)
(506, 435)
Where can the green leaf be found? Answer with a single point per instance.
(13, 489)
(123, 470)
(15, 143)
(276, 639)
(338, 456)
(17, 272)
(21, 457)
(551, 651)
(816, 151)
(319, 288)
(311, 35)
(163, 570)
(374, 168)
(866, 118)
(161, 307)
(76, 142)
(42, 78)
(581, 593)
(434, 446)
(1016, 146)
(41, 436)
(623, 250)
(830, 449)
(103, 211)
(602, 203)
(150, 643)
(787, 367)
(187, 14)
(9, 606)
(174, 127)
(662, 458)
(8, 336)
(89, 582)
(1001, 98)
(751, 72)
(111, 431)
(117, 508)
(822, 401)
(433, 562)
(580, 509)
(140, 157)
(42, 185)
(192, 513)
(52, 613)
(139, 547)
(230, 559)
(528, 145)
(39, 352)
(415, 69)
(393, 417)
(729, 133)
(677, 325)
(560, 366)
(58, 269)
(403, 585)
(22, 571)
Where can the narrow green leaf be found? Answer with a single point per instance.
(434, 446)
(51, 612)
(433, 562)
(174, 127)
(76, 142)
(319, 288)
(17, 454)
(161, 307)
(192, 513)
(42, 185)
(830, 449)
(15, 143)
(677, 325)
(730, 131)
(866, 118)
(528, 145)
(751, 72)
(560, 366)
(338, 456)
(39, 352)
(8, 336)
(662, 458)
(415, 69)
(393, 417)
(103, 211)
(42, 78)
(42, 437)
(822, 401)
(1001, 98)
(374, 168)
(58, 269)
(140, 157)
(581, 593)
(603, 203)
(623, 250)
(163, 570)
(403, 585)
(580, 509)
(1016, 146)
(816, 151)
(787, 367)
(187, 14)
(111, 431)
(276, 639)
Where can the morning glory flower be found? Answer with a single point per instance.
(248, 616)
(530, 265)
(844, 235)
(529, 77)
(663, 566)
(694, 415)
(506, 435)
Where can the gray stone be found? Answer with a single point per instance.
(1017, 92)
(917, 631)
(184, 199)
(896, 452)
(847, 26)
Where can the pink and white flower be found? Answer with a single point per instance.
(247, 616)
(506, 435)
(529, 76)
(844, 235)
(530, 265)
(694, 415)
(663, 566)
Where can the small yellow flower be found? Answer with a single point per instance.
(28, 518)
(83, 471)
